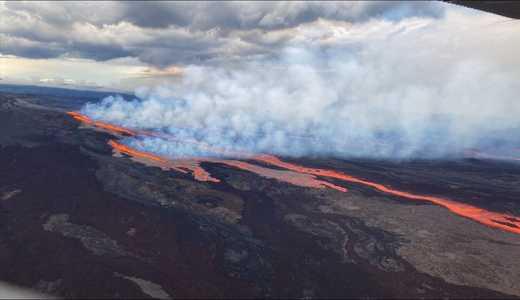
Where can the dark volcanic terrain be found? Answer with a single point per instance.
(77, 221)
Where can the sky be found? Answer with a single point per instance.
(125, 45)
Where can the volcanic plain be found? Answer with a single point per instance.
(79, 219)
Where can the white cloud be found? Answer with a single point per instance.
(383, 89)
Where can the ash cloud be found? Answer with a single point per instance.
(421, 90)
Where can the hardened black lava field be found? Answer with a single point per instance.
(77, 221)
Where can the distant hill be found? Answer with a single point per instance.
(58, 92)
(63, 98)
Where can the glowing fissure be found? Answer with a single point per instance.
(102, 125)
(296, 178)
(193, 165)
(138, 132)
(503, 221)
(179, 165)
(293, 174)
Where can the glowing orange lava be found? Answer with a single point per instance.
(103, 125)
(300, 179)
(132, 152)
(201, 174)
(498, 220)
(293, 174)
(179, 165)
(135, 132)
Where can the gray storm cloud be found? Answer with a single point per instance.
(161, 33)
(421, 89)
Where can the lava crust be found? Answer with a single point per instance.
(80, 219)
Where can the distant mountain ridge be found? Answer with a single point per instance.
(58, 92)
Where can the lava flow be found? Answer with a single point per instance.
(293, 174)
(179, 165)
(102, 125)
(193, 165)
(296, 178)
(498, 220)
(135, 132)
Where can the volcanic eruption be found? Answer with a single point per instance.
(291, 173)
(259, 150)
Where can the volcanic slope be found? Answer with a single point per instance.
(78, 221)
(294, 174)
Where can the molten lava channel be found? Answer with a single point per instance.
(498, 220)
(182, 166)
(106, 126)
(293, 174)
(193, 165)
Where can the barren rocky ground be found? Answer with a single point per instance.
(76, 221)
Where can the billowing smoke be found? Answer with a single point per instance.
(413, 88)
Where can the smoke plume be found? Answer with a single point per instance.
(416, 88)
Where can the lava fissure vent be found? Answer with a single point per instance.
(291, 173)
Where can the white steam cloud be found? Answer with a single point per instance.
(414, 88)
